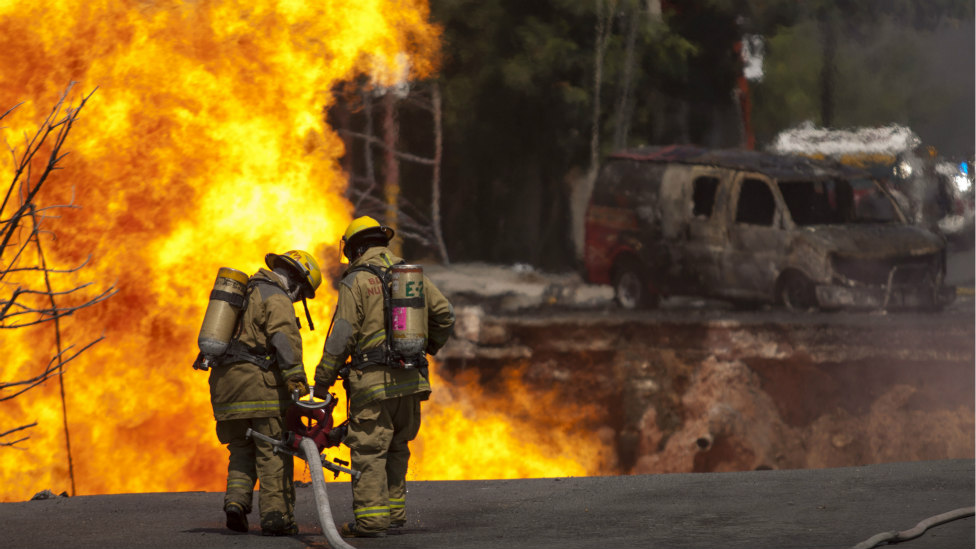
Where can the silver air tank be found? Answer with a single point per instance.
(408, 308)
(226, 301)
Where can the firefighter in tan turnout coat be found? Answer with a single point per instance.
(384, 392)
(251, 387)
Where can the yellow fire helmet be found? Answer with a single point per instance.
(367, 224)
(304, 264)
(362, 227)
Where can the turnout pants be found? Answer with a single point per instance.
(252, 461)
(378, 438)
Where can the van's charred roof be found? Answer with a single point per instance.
(777, 165)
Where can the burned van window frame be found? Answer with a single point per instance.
(810, 202)
(885, 209)
(753, 207)
(704, 189)
(834, 201)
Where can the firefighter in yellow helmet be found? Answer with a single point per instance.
(384, 396)
(251, 386)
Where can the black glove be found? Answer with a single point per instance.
(337, 435)
(321, 392)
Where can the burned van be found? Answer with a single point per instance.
(753, 228)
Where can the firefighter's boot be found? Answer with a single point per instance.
(350, 530)
(275, 524)
(236, 517)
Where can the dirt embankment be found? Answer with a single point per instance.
(693, 390)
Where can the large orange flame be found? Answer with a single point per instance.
(510, 433)
(471, 432)
(203, 146)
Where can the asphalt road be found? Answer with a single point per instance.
(835, 508)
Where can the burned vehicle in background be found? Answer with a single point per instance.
(751, 228)
(932, 191)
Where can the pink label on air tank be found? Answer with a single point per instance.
(400, 318)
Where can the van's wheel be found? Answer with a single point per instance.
(630, 287)
(796, 292)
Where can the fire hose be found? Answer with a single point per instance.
(321, 498)
(918, 530)
(307, 443)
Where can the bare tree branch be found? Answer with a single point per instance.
(60, 128)
(23, 302)
(364, 190)
(373, 140)
(50, 270)
(53, 367)
(47, 314)
(14, 430)
(10, 110)
(411, 227)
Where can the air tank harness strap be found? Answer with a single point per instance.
(238, 352)
(235, 300)
(385, 277)
(361, 359)
(377, 355)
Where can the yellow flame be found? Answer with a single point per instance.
(204, 146)
(512, 433)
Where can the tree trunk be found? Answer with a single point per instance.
(621, 132)
(580, 187)
(435, 194)
(599, 50)
(828, 29)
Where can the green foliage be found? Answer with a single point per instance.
(886, 71)
(876, 71)
(789, 91)
(517, 82)
(766, 16)
(516, 100)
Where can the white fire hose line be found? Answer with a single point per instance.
(918, 530)
(313, 458)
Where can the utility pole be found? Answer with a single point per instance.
(391, 172)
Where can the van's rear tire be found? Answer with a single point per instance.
(630, 287)
(796, 292)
